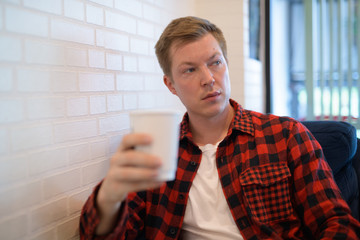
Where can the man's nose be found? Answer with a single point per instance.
(207, 77)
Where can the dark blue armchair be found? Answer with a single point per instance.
(342, 151)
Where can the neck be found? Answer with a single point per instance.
(210, 130)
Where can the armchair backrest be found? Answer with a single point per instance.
(342, 151)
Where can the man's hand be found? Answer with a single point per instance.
(130, 171)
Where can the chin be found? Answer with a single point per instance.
(215, 110)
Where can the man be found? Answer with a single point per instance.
(241, 174)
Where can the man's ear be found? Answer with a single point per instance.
(169, 84)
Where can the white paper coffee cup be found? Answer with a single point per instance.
(164, 127)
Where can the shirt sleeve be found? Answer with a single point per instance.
(317, 198)
(129, 224)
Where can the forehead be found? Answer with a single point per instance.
(203, 47)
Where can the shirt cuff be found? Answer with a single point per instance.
(90, 219)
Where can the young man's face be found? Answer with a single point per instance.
(200, 77)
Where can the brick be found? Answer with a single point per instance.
(47, 214)
(14, 228)
(96, 58)
(77, 106)
(114, 142)
(130, 63)
(154, 83)
(152, 49)
(113, 41)
(18, 2)
(79, 153)
(76, 57)
(14, 200)
(158, 68)
(61, 183)
(114, 103)
(97, 104)
(23, 138)
(69, 31)
(145, 29)
(146, 64)
(129, 6)
(113, 61)
(74, 9)
(151, 13)
(64, 81)
(45, 235)
(139, 46)
(77, 200)
(96, 82)
(130, 101)
(147, 100)
(32, 80)
(53, 6)
(44, 53)
(100, 38)
(161, 100)
(1, 17)
(129, 82)
(13, 169)
(120, 22)
(116, 42)
(95, 172)
(40, 108)
(26, 22)
(94, 15)
(114, 123)
(47, 161)
(6, 80)
(98, 149)
(70, 131)
(10, 48)
(162, 3)
(68, 229)
(4, 145)
(14, 110)
(107, 3)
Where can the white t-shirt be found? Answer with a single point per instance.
(207, 214)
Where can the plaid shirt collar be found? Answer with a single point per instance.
(241, 122)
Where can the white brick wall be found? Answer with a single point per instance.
(10, 48)
(74, 9)
(70, 72)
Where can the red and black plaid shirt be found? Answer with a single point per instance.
(274, 177)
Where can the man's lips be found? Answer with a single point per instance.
(212, 94)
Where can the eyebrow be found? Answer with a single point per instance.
(214, 56)
(210, 58)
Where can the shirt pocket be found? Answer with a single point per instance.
(266, 192)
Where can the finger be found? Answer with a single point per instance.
(131, 174)
(141, 186)
(136, 159)
(132, 140)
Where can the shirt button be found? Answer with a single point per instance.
(172, 231)
(193, 163)
(181, 196)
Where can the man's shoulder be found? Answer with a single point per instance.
(266, 120)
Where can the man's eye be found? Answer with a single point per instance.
(189, 70)
(218, 62)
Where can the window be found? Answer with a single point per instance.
(315, 59)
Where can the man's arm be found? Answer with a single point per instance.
(130, 171)
(324, 213)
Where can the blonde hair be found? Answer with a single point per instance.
(182, 31)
